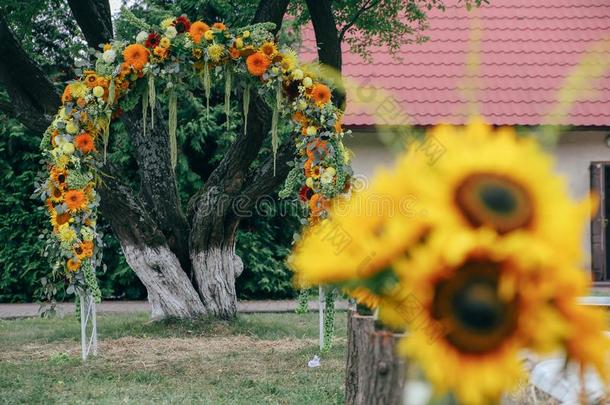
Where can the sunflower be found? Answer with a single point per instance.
(91, 80)
(59, 176)
(269, 49)
(473, 304)
(182, 24)
(257, 63)
(84, 250)
(152, 40)
(483, 178)
(198, 30)
(56, 194)
(362, 236)
(84, 142)
(57, 220)
(320, 94)
(136, 56)
(75, 200)
(73, 265)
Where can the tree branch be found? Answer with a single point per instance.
(94, 20)
(33, 96)
(369, 4)
(271, 11)
(264, 181)
(327, 39)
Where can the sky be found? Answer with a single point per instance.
(115, 6)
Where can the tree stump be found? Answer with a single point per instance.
(375, 374)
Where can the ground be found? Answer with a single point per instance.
(258, 358)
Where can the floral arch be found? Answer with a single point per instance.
(247, 59)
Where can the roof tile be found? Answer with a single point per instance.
(526, 52)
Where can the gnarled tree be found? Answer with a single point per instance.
(185, 256)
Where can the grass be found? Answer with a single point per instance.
(257, 358)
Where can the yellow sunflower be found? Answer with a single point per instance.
(494, 179)
(269, 49)
(362, 236)
(473, 303)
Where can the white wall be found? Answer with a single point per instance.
(574, 152)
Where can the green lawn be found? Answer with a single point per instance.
(258, 358)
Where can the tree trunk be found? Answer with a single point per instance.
(374, 374)
(170, 292)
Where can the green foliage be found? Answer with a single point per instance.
(385, 23)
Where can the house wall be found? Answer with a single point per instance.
(574, 153)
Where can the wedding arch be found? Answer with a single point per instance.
(168, 58)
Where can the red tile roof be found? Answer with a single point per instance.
(527, 49)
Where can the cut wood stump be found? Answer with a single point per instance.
(375, 375)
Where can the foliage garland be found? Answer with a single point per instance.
(74, 146)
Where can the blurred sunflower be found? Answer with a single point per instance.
(475, 311)
(495, 179)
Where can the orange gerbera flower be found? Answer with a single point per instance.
(73, 265)
(67, 96)
(320, 93)
(136, 56)
(84, 143)
(317, 204)
(234, 53)
(75, 200)
(257, 63)
(219, 26)
(198, 29)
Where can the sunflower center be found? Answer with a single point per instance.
(477, 320)
(487, 199)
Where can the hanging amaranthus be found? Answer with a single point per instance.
(275, 139)
(173, 125)
(228, 79)
(152, 98)
(246, 106)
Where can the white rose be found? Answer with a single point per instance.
(142, 37)
(109, 56)
(171, 32)
(297, 74)
(67, 148)
(307, 82)
(311, 130)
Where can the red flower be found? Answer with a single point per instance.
(182, 24)
(305, 193)
(152, 40)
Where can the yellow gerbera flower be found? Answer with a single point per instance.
(215, 52)
(78, 89)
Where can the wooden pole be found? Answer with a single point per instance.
(375, 375)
